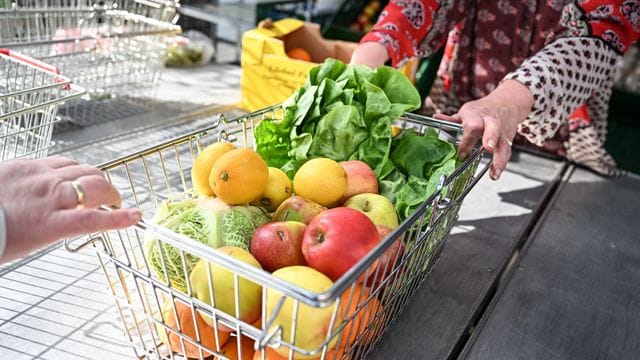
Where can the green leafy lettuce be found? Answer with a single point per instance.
(342, 112)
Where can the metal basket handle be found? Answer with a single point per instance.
(445, 202)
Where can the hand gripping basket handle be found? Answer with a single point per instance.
(87, 241)
(31, 61)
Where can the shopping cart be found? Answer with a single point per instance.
(404, 259)
(112, 48)
(30, 93)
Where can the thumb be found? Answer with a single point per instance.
(71, 222)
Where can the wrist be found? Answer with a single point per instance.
(370, 53)
(519, 95)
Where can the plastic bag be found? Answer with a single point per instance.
(192, 48)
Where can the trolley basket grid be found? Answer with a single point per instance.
(358, 307)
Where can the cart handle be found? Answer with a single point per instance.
(29, 60)
(446, 202)
(74, 249)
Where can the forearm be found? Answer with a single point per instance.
(560, 81)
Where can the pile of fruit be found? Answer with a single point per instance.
(327, 183)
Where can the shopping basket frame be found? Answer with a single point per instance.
(423, 233)
(33, 90)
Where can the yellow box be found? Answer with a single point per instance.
(269, 76)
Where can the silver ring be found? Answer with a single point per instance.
(79, 193)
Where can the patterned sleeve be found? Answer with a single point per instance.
(578, 64)
(401, 26)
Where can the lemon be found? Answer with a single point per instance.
(321, 180)
(278, 189)
(204, 163)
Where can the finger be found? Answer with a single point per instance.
(56, 162)
(500, 158)
(71, 222)
(444, 117)
(97, 191)
(473, 126)
(74, 172)
(491, 133)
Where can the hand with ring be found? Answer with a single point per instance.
(48, 199)
(494, 119)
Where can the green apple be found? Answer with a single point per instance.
(224, 290)
(377, 207)
(311, 323)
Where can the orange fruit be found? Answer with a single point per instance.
(278, 189)
(270, 354)
(366, 314)
(239, 176)
(230, 349)
(321, 180)
(185, 317)
(299, 54)
(202, 166)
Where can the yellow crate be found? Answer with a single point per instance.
(269, 76)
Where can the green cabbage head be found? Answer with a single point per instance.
(209, 221)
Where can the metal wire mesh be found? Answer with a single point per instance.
(355, 311)
(112, 49)
(29, 100)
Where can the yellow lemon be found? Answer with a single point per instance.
(278, 189)
(321, 180)
(204, 163)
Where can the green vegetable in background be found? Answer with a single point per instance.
(208, 221)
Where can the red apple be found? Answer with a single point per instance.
(278, 244)
(337, 239)
(360, 179)
(297, 208)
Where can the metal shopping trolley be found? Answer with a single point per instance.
(375, 290)
(30, 93)
(111, 48)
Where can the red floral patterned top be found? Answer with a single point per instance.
(564, 51)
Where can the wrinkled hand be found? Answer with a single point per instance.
(495, 119)
(40, 203)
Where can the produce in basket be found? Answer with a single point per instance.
(209, 221)
(278, 244)
(377, 207)
(187, 327)
(321, 180)
(239, 176)
(360, 179)
(344, 112)
(337, 239)
(358, 309)
(297, 208)
(230, 349)
(278, 189)
(224, 289)
(311, 323)
(203, 163)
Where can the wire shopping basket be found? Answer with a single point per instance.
(110, 48)
(30, 93)
(354, 312)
